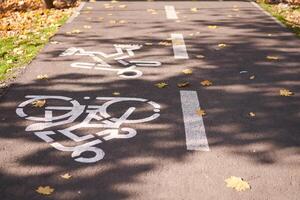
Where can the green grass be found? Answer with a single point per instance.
(281, 16)
(18, 51)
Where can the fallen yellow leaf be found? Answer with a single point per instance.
(161, 85)
(42, 76)
(116, 93)
(122, 6)
(252, 114)
(66, 176)
(148, 43)
(200, 112)
(222, 45)
(237, 183)
(76, 31)
(272, 57)
(187, 71)
(39, 103)
(285, 92)
(47, 190)
(212, 26)
(87, 27)
(194, 9)
(206, 83)
(183, 84)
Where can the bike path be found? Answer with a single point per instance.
(154, 162)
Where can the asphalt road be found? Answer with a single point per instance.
(121, 137)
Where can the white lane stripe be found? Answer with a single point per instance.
(179, 47)
(170, 12)
(193, 123)
(276, 20)
(76, 12)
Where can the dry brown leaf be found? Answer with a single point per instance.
(200, 112)
(38, 103)
(47, 190)
(237, 183)
(183, 84)
(206, 83)
(285, 92)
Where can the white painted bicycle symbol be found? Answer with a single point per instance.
(123, 52)
(96, 116)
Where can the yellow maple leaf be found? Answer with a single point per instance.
(206, 83)
(183, 84)
(285, 92)
(38, 103)
(47, 190)
(161, 85)
(200, 112)
(42, 76)
(187, 71)
(66, 176)
(237, 183)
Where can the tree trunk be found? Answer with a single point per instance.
(48, 4)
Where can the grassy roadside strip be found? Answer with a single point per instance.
(289, 16)
(20, 48)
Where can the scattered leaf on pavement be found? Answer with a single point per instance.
(161, 85)
(252, 77)
(38, 103)
(200, 56)
(285, 92)
(87, 27)
(237, 183)
(66, 176)
(42, 76)
(47, 190)
(183, 84)
(116, 93)
(194, 9)
(200, 112)
(252, 114)
(272, 57)
(212, 26)
(206, 83)
(187, 71)
(222, 45)
(76, 31)
(122, 6)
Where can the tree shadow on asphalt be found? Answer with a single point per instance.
(158, 142)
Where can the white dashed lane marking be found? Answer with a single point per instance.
(179, 47)
(171, 12)
(193, 123)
